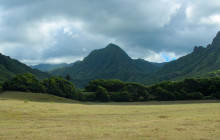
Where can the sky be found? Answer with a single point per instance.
(57, 31)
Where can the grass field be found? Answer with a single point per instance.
(41, 116)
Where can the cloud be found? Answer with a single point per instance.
(45, 30)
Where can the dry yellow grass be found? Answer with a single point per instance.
(34, 116)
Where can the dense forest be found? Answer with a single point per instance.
(116, 90)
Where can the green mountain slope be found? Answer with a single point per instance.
(110, 62)
(10, 67)
(199, 63)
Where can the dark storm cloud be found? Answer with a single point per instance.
(37, 31)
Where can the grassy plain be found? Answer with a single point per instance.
(41, 116)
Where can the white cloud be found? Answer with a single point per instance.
(161, 57)
(54, 60)
(84, 49)
(211, 20)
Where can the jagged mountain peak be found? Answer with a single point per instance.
(216, 40)
(112, 46)
(198, 49)
(111, 51)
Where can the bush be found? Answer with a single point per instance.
(123, 96)
(195, 96)
(102, 94)
(112, 85)
(163, 95)
(90, 97)
(181, 95)
(79, 96)
(0, 87)
(138, 92)
(216, 95)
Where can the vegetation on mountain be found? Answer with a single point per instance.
(9, 68)
(202, 62)
(113, 63)
(110, 62)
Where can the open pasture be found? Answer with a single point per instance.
(41, 116)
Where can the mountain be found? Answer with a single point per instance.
(49, 67)
(200, 62)
(10, 67)
(110, 62)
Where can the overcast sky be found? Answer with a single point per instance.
(55, 31)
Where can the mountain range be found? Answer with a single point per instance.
(112, 62)
(49, 67)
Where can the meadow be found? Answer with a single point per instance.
(38, 116)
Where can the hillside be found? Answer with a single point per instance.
(198, 63)
(10, 67)
(110, 62)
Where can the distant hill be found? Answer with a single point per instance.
(199, 63)
(10, 67)
(110, 62)
(49, 67)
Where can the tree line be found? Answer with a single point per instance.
(118, 91)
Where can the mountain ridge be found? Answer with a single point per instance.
(10, 67)
(48, 67)
(196, 64)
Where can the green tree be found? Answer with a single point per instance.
(24, 82)
(102, 94)
(122, 96)
(163, 95)
(111, 85)
(0, 87)
(67, 77)
(181, 95)
(216, 95)
(59, 87)
(195, 95)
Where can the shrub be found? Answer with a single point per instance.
(195, 95)
(102, 94)
(138, 92)
(0, 87)
(216, 95)
(112, 85)
(90, 97)
(163, 95)
(181, 95)
(123, 96)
